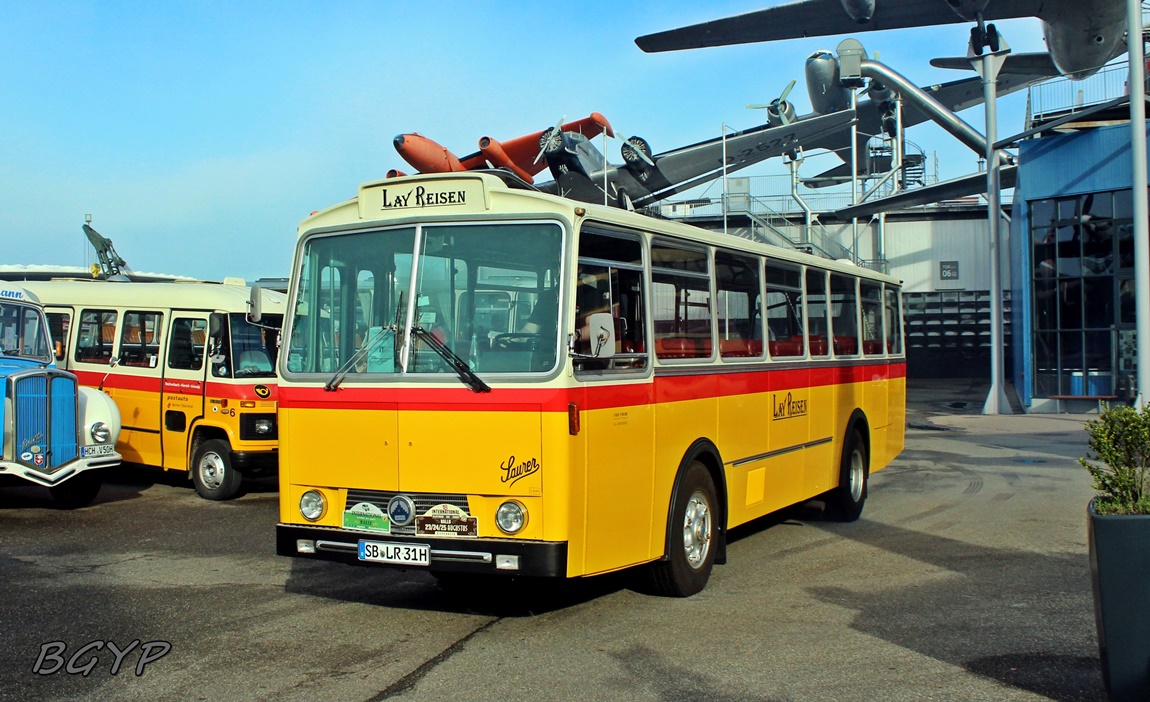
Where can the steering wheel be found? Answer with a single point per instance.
(520, 341)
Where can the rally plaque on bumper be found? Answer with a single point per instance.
(394, 553)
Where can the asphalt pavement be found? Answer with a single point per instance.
(967, 578)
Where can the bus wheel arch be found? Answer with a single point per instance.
(844, 503)
(696, 524)
(211, 467)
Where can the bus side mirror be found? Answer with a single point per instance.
(255, 312)
(215, 327)
(601, 332)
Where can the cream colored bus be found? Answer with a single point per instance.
(193, 377)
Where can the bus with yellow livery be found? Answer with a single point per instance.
(479, 378)
(193, 376)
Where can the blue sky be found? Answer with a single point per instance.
(198, 135)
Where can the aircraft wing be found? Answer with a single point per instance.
(963, 186)
(814, 18)
(685, 167)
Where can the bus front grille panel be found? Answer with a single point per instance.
(423, 502)
(45, 420)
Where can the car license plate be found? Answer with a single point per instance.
(97, 450)
(399, 554)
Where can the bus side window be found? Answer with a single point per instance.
(58, 325)
(182, 351)
(97, 336)
(138, 346)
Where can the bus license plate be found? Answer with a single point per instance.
(399, 554)
(97, 450)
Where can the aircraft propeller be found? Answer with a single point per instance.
(779, 108)
(551, 140)
(636, 149)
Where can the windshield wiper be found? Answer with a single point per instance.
(457, 364)
(333, 384)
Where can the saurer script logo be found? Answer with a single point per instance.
(513, 472)
(419, 196)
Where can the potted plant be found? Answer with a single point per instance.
(1119, 538)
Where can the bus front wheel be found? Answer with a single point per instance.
(212, 471)
(845, 503)
(77, 492)
(693, 529)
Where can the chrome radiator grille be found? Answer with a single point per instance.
(44, 409)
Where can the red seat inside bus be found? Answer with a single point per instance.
(846, 345)
(787, 347)
(741, 348)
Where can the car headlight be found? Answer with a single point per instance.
(511, 517)
(101, 434)
(264, 426)
(312, 505)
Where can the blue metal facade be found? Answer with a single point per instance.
(1090, 161)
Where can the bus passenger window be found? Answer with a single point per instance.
(96, 337)
(139, 346)
(610, 279)
(844, 315)
(785, 311)
(872, 326)
(58, 325)
(186, 345)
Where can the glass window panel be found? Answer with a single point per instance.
(1098, 302)
(96, 336)
(1070, 303)
(872, 326)
(187, 342)
(893, 321)
(617, 290)
(818, 324)
(682, 316)
(844, 315)
(737, 306)
(1046, 304)
(674, 258)
(1126, 301)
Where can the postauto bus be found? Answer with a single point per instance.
(57, 434)
(663, 384)
(193, 376)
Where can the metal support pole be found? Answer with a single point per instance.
(854, 176)
(1137, 83)
(988, 66)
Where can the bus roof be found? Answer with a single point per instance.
(462, 195)
(177, 295)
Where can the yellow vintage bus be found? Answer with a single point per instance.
(480, 378)
(193, 377)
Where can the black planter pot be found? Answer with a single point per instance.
(1120, 575)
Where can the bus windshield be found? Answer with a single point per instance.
(23, 333)
(254, 348)
(367, 302)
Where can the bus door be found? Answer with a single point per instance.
(136, 380)
(182, 397)
(618, 421)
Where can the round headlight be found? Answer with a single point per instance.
(312, 505)
(101, 434)
(511, 517)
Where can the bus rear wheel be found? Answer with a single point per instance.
(212, 471)
(693, 528)
(845, 503)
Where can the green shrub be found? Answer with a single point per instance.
(1120, 460)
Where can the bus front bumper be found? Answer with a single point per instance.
(450, 555)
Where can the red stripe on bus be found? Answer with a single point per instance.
(122, 381)
(665, 388)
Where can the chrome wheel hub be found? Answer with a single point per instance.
(697, 530)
